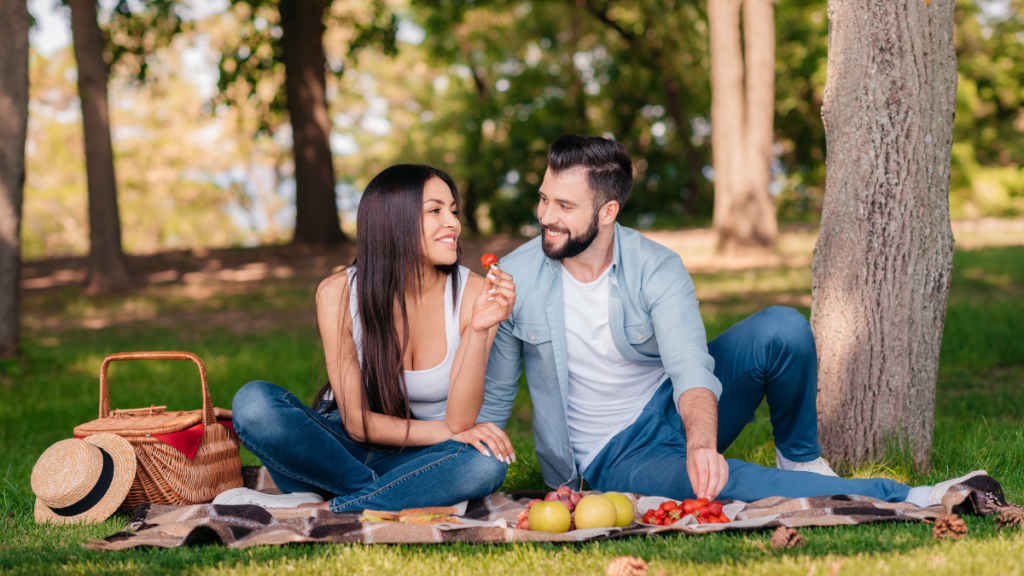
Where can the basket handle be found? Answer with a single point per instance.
(208, 415)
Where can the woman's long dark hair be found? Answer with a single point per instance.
(389, 253)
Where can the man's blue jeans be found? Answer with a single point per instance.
(769, 355)
(306, 451)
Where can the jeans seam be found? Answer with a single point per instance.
(282, 469)
(334, 507)
(318, 423)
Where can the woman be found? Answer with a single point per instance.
(406, 333)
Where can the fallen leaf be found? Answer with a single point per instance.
(836, 566)
(761, 546)
(934, 558)
(927, 2)
(810, 572)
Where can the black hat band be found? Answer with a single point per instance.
(96, 494)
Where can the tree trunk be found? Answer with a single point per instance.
(474, 143)
(726, 115)
(14, 24)
(883, 260)
(302, 47)
(754, 215)
(107, 271)
(689, 151)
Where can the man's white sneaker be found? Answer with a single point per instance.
(818, 466)
(240, 496)
(940, 489)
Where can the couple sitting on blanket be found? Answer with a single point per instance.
(627, 392)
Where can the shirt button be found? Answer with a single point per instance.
(639, 337)
(532, 337)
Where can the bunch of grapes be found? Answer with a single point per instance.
(564, 494)
(670, 512)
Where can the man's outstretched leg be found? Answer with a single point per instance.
(771, 354)
(649, 457)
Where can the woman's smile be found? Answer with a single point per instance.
(449, 240)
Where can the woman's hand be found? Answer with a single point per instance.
(494, 437)
(495, 302)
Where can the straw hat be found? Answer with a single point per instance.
(83, 480)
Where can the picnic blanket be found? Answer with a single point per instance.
(491, 520)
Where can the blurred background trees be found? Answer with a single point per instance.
(206, 151)
(14, 24)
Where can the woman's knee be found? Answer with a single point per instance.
(483, 474)
(255, 403)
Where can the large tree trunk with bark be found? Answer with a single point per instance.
(726, 114)
(14, 24)
(107, 271)
(302, 47)
(882, 264)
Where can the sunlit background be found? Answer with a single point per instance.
(202, 144)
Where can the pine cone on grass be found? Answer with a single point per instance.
(784, 537)
(1010, 517)
(627, 566)
(949, 526)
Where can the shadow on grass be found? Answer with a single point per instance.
(980, 407)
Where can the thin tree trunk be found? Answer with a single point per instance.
(756, 224)
(726, 114)
(107, 271)
(474, 142)
(690, 152)
(883, 260)
(316, 211)
(576, 94)
(14, 24)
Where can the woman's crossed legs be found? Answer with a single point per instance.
(306, 451)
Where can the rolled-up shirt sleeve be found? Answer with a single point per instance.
(501, 382)
(682, 340)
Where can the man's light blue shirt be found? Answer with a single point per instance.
(653, 316)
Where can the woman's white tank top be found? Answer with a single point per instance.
(428, 389)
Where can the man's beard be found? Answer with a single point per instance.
(574, 246)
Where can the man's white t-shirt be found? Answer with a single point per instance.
(606, 391)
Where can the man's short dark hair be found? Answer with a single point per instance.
(609, 169)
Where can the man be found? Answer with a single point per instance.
(626, 390)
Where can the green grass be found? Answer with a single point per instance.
(980, 410)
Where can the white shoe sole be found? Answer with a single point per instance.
(242, 496)
(817, 466)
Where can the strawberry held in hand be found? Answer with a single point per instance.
(489, 260)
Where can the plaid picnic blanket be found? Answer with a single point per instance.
(491, 520)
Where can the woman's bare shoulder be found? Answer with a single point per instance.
(474, 282)
(334, 288)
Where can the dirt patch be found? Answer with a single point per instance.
(271, 287)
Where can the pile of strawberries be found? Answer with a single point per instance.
(670, 512)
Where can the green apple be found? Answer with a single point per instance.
(624, 508)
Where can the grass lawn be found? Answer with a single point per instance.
(979, 420)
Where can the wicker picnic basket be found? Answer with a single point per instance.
(165, 475)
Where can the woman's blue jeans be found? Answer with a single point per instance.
(770, 355)
(306, 451)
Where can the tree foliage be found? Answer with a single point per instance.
(487, 88)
